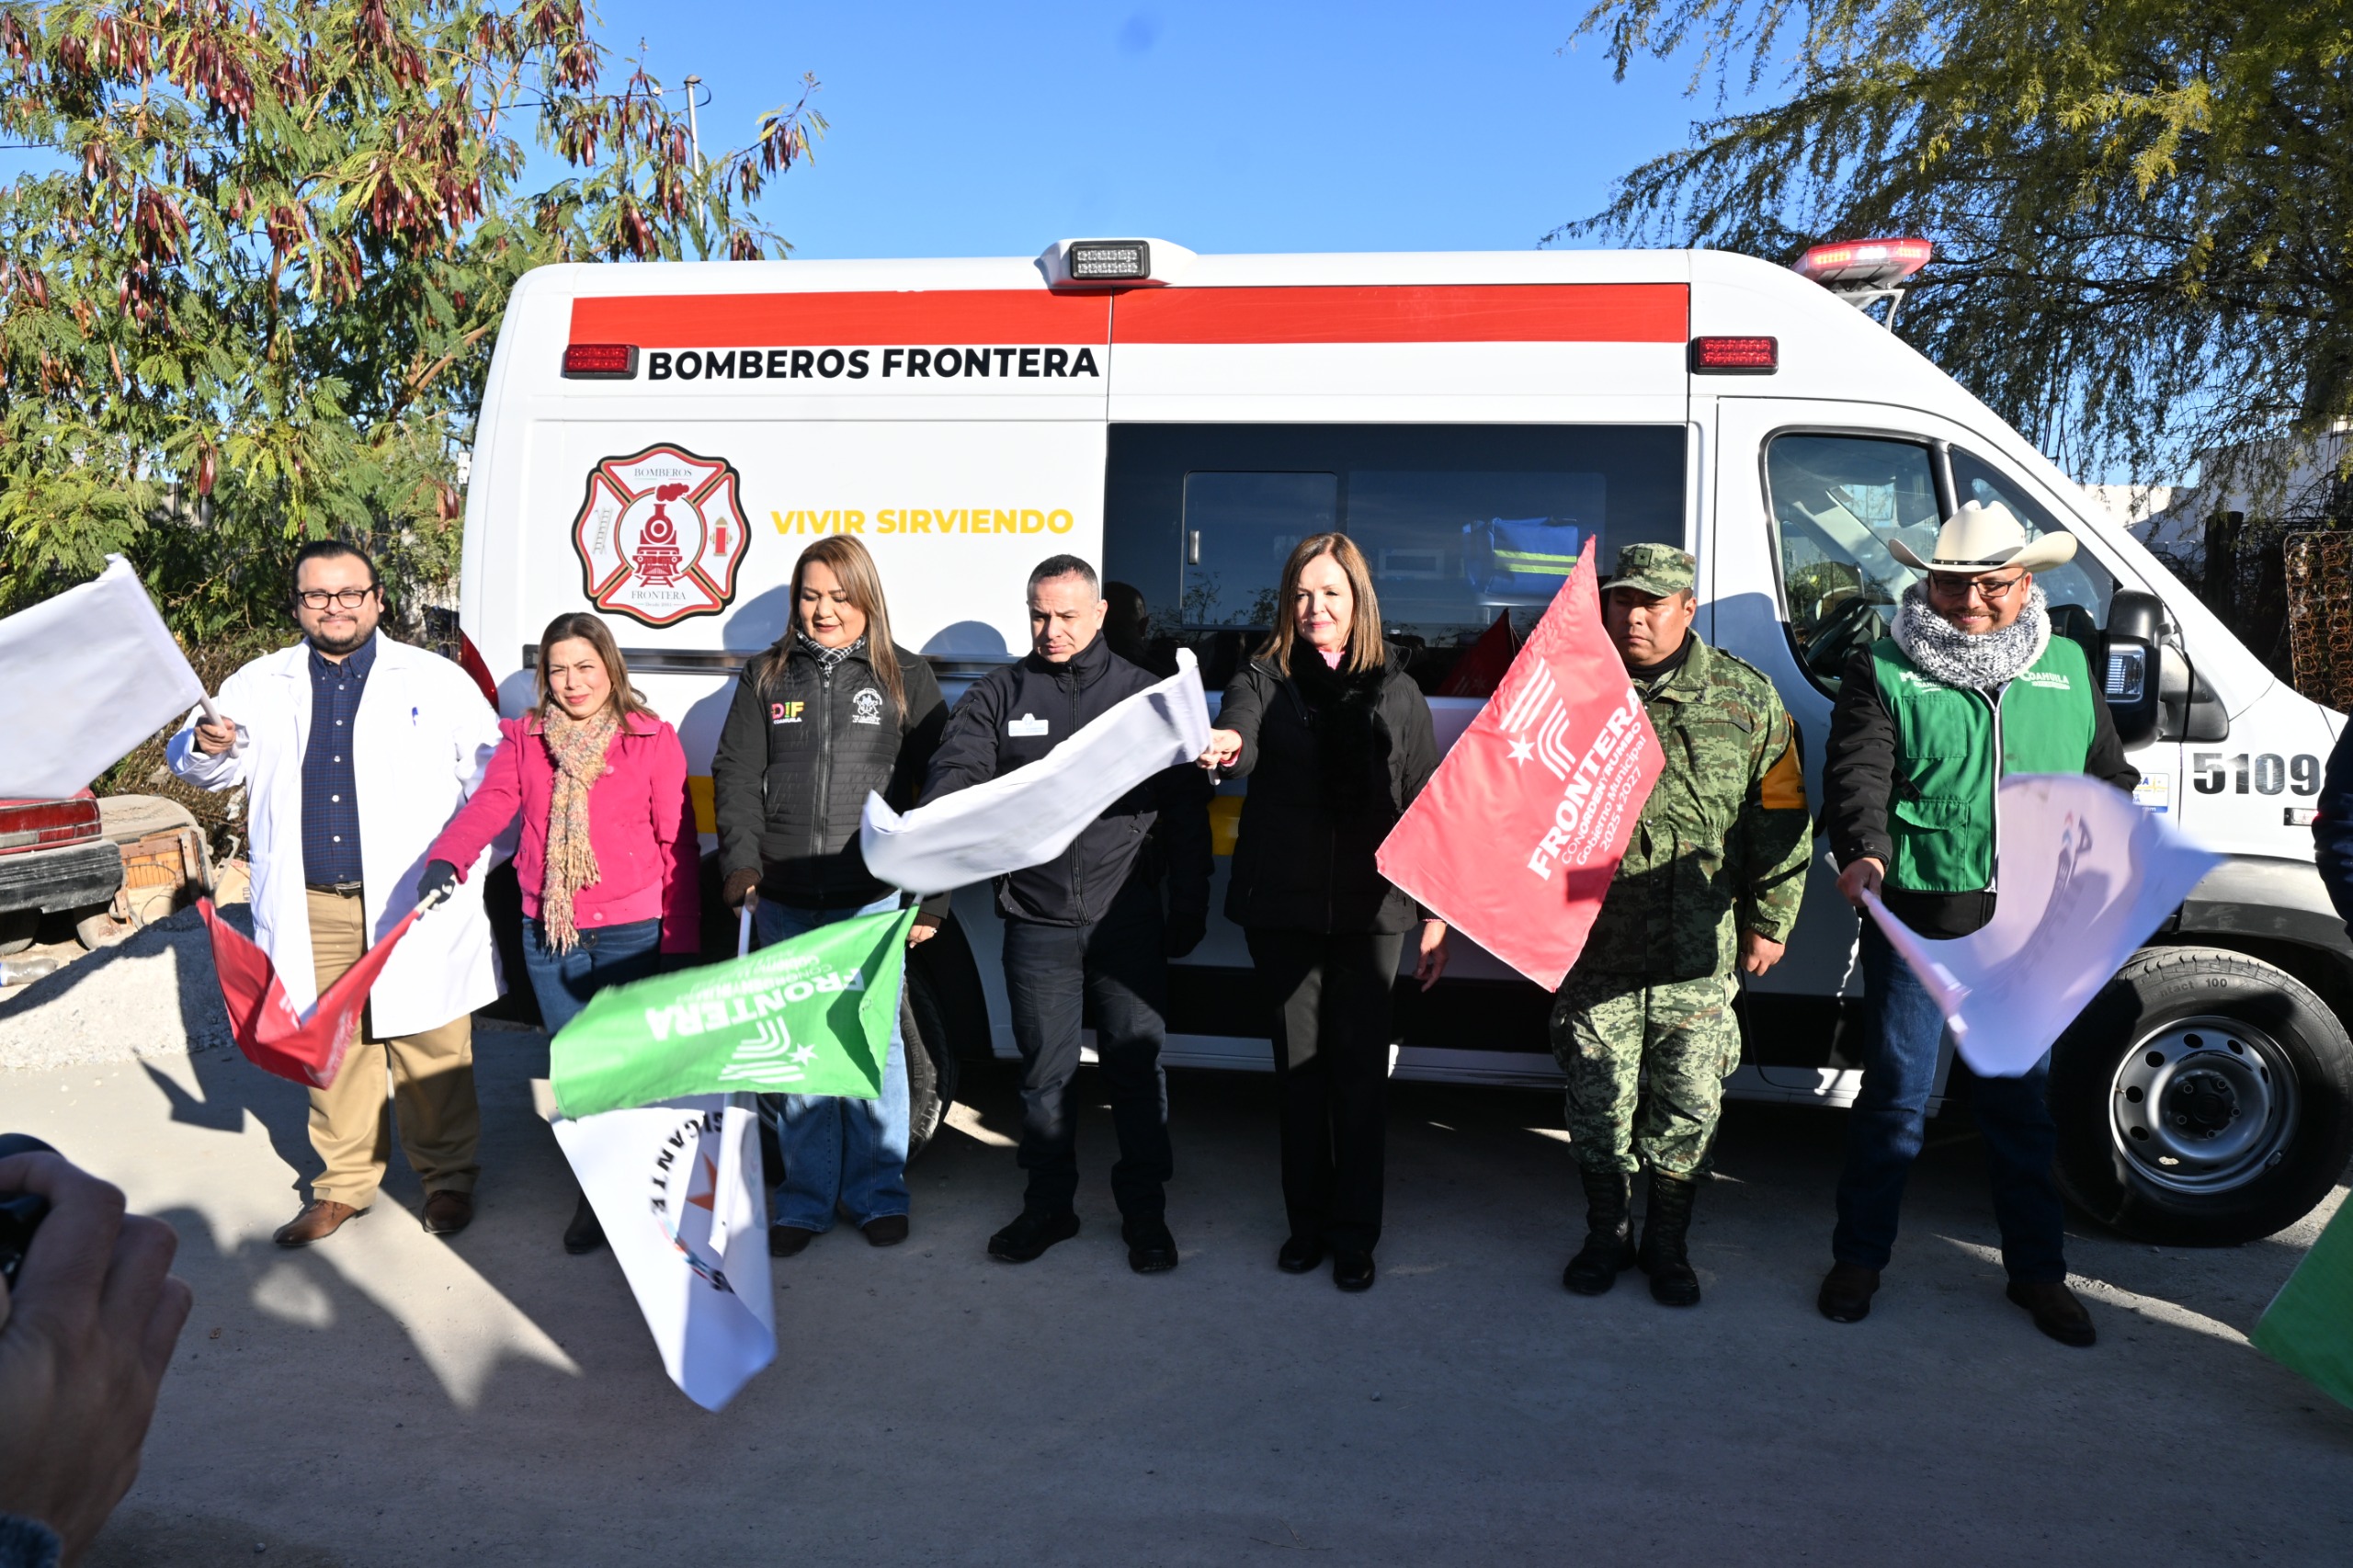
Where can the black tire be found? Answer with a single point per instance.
(18, 929)
(931, 1064)
(2204, 1098)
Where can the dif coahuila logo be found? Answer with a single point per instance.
(660, 534)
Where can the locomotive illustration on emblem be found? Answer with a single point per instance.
(660, 534)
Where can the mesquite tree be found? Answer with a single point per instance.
(2143, 212)
(250, 280)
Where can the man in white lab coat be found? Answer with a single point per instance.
(356, 750)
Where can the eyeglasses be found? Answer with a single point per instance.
(1946, 586)
(349, 599)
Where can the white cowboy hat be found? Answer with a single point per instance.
(1983, 537)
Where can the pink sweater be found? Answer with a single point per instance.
(639, 824)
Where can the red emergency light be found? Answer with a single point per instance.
(1735, 356)
(600, 362)
(1845, 264)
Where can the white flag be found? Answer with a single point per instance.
(2083, 875)
(85, 677)
(676, 1187)
(1029, 816)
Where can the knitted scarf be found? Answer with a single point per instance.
(1983, 662)
(576, 746)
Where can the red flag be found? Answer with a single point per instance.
(1516, 837)
(1483, 666)
(274, 1037)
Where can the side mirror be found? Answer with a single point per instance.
(2130, 664)
(2129, 682)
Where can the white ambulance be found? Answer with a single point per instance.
(660, 442)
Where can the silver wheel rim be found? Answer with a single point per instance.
(2203, 1105)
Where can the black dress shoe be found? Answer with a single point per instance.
(1029, 1236)
(885, 1230)
(586, 1233)
(1352, 1270)
(2056, 1311)
(1299, 1255)
(1151, 1249)
(1847, 1292)
(789, 1241)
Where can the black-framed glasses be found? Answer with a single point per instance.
(1946, 584)
(349, 599)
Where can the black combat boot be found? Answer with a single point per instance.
(1608, 1234)
(1665, 1227)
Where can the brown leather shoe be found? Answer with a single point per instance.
(320, 1218)
(1847, 1292)
(448, 1212)
(2056, 1311)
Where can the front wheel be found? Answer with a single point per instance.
(2203, 1098)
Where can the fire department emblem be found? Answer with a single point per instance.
(660, 535)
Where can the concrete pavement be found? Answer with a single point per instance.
(386, 1397)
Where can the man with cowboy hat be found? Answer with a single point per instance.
(1970, 685)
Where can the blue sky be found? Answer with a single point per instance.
(994, 129)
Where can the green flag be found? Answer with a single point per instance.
(2308, 1328)
(811, 1016)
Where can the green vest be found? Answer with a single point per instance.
(1940, 811)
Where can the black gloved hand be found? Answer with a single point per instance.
(1185, 930)
(440, 879)
(738, 887)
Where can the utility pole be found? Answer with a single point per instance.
(694, 127)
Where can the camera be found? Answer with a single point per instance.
(20, 1212)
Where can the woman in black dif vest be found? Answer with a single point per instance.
(1337, 741)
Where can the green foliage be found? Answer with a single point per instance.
(252, 297)
(2143, 211)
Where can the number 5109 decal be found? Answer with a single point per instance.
(2269, 773)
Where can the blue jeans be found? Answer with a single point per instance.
(1900, 1048)
(837, 1153)
(606, 955)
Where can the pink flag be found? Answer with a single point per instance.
(1515, 839)
(274, 1037)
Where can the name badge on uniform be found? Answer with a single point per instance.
(1025, 727)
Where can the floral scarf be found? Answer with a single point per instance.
(578, 748)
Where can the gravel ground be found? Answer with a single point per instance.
(154, 995)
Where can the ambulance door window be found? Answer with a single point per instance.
(2078, 591)
(1837, 501)
(1239, 528)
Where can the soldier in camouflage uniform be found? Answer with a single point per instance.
(1644, 1024)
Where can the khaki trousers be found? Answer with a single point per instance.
(432, 1085)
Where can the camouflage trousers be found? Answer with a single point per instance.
(1647, 1066)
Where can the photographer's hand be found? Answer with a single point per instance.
(83, 1346)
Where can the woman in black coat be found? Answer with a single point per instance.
(1337, 742)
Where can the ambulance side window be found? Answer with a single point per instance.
(2082, 582)
(1837, 501)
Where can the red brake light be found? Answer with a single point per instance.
(1735, 356)
(1871, 263)
(600, 362)
(34, 824)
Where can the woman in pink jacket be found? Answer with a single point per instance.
(608, 860)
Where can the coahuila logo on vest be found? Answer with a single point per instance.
(660, 534)
(766, 1056)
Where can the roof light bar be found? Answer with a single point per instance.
(1109, 261)
(1845, 264)
(1735, 356)
(600, 362)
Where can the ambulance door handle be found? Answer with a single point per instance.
(1192, 547)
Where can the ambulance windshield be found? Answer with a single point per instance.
(1469, 531)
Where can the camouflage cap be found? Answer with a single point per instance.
(1658, 569)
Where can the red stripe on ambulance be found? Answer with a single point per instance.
(1454, 313)
(974, 317)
